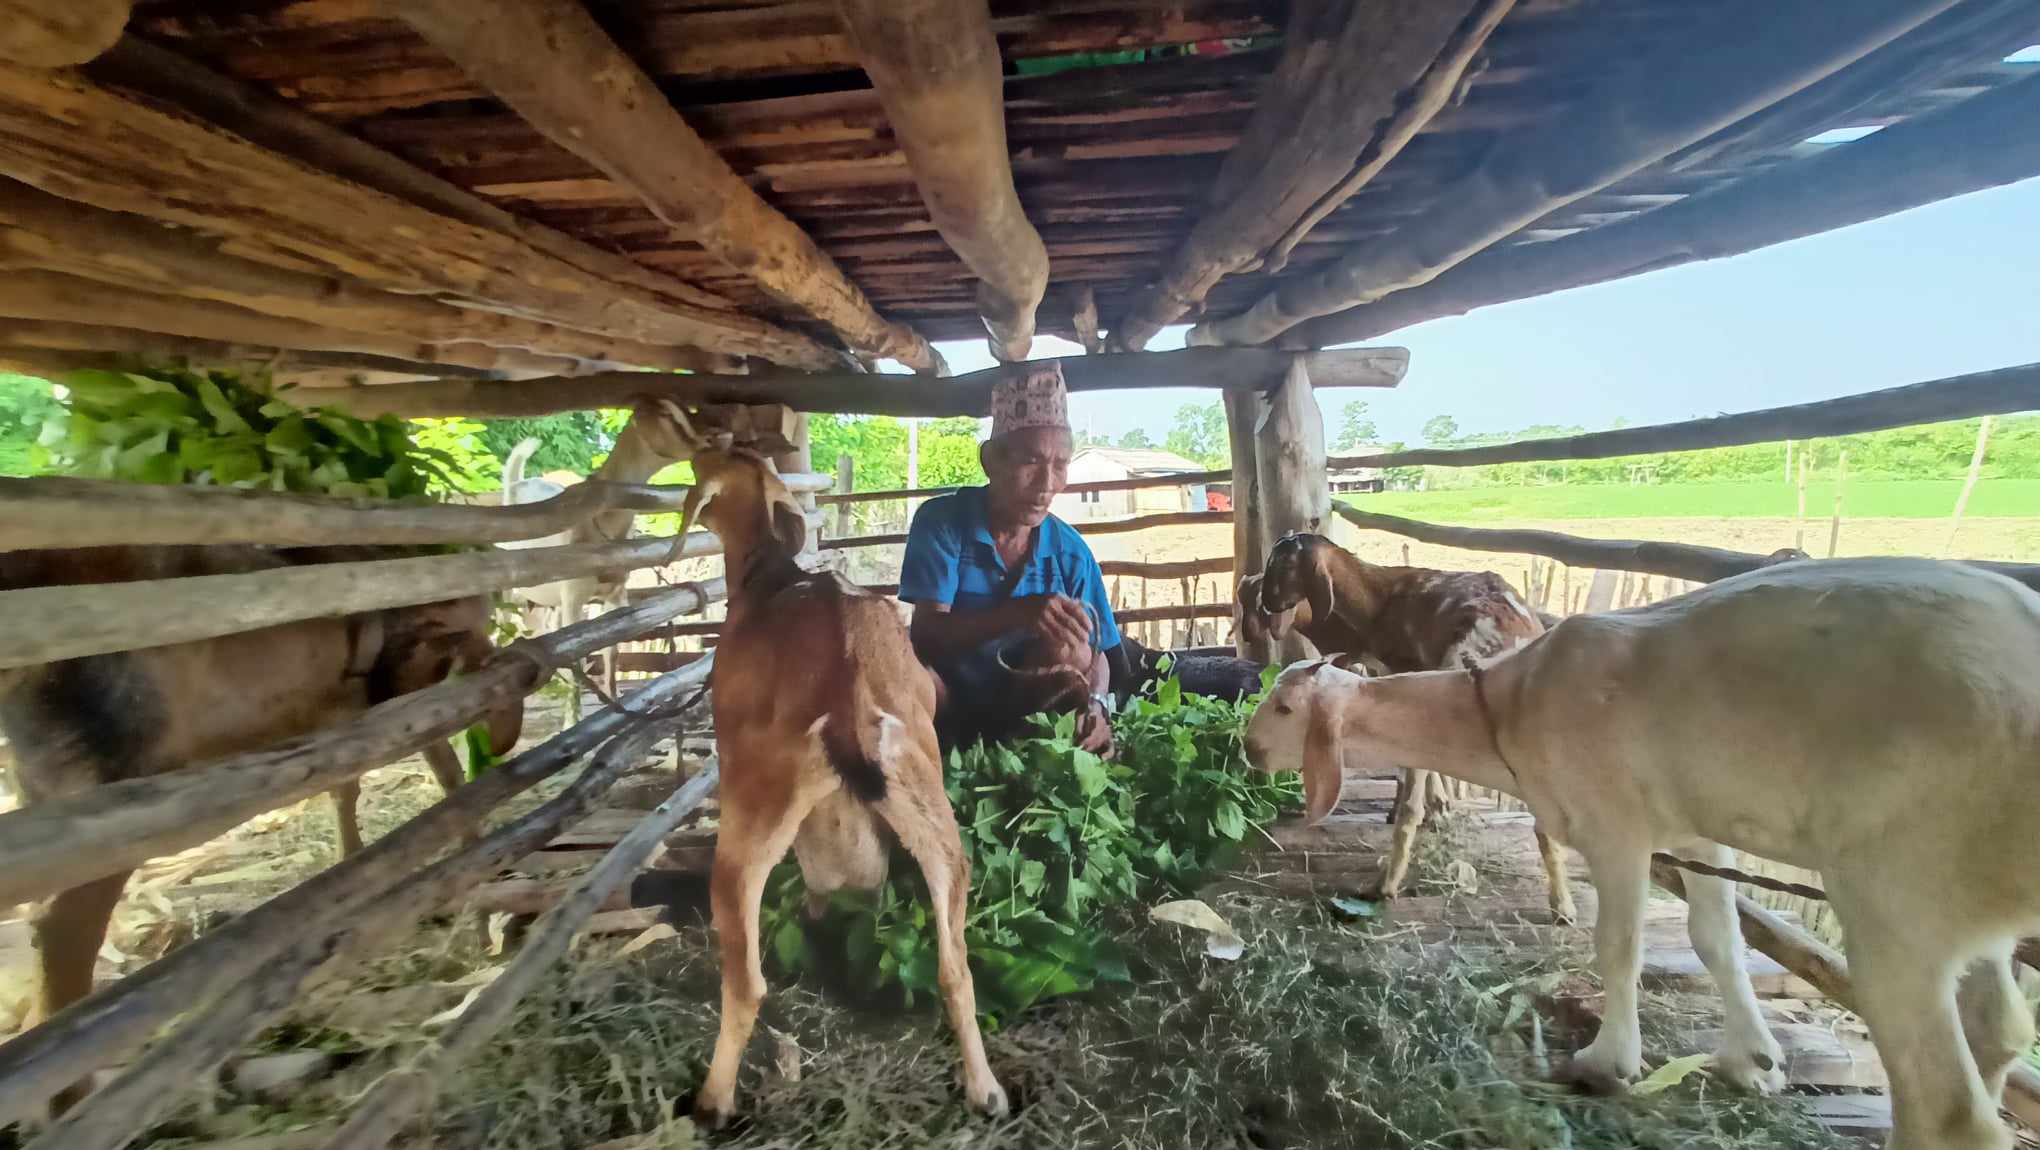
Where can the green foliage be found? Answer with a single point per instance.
(1058, 840)
(1199, 433)
(1355, 428)
(25, 405)
(572, 441)
(1138, 437)
(1441, 430)
(209, 427)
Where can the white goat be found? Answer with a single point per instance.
(1877, 720)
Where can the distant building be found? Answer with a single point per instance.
(1103, 464)
(1359, 478)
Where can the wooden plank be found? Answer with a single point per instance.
(1355, 84)
(51, 349)
(594, 101)
(1633, 117)
(1975, 144)
(1998, 392)
(914, 396)
(937, 71)
(1090, 527)
(59, 33)
(1138, 482)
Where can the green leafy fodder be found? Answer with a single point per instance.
(1059, 842)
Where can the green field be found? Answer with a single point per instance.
(1863, 499)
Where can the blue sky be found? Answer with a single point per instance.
(1948, 288)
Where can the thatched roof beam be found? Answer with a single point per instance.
(59, 33)
(54, 298)
(594, 101)
(1641, 113)
(936, 67)
(47, 349)
(41, 232)
(1982, 142)
(1356, 83)
(65, 134)
(902, 395)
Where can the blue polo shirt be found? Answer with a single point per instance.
(951, 560)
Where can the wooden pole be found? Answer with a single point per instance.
(1177, 479)
(53, 34)
(56, 511)
(1996, 392)
(118, 1019)
(1841, 480)
(400, 1097)
(108, 1119)
(1091, 527)
(51, 349)
(1289, 459)
(1799, 529)
(846, 482)
(1636, 116)
(1965, 147)
(1084, 317)
(45, 624)
(64, 842)
(1354, 85)
(595, 101)
(1968, 484)
(905, 396)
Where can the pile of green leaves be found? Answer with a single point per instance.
(1058, 840)
(173, 426)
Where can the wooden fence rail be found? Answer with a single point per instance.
(61, 512)
(1958, 397)
(44, 624)
(399, 1097)
(1678, 560)
(110, 1118)
(1178, 479)
(1100, 527)
(61, 843)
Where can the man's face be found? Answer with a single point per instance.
(1027, 469)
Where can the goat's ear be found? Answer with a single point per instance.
(1319, 592)
(704, 493)
(1323, 777)
(1278, 623)
(789, 526)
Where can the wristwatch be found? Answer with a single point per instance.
(1104, 701)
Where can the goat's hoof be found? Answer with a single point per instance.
(989, 1101)
(1598, 1070)
(1757, 1071)
(1565, 914)
(711, 1115)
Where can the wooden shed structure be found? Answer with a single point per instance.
(518, 207)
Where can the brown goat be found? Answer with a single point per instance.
(1397, 619)
(79, 723)
(825, 726)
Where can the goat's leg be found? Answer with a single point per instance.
(919, 813)
(347, 816)
(445, 765)
(1409, 819)
(1557, 880)
(1905, 986)
(1995, 1019)
(1622, 881)
(1749, 1056)
(68, 931)
(747, 846)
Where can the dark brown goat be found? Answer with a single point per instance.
(79, 723)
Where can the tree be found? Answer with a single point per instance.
(571, 441)
(1199, 434)
(1355, 428)
(1138, 437)
(1440, 430)
(25, 405)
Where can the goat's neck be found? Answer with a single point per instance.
(632, 460)
(757, 565)
(1435, 721)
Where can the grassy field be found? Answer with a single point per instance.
(1869, 498)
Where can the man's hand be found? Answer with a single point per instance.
(1058, 621)
(1094, 729)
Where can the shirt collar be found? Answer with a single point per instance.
(974, 504)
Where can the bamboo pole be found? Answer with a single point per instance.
(109, 1118)
(1675, 560)
(64, 842)
(56, 511)
(1968, 484)
(1799, 521)
(118, 1019)
(855, 392)
(846, 483)
(1174, 611)
(1835, 524)
(1996, 392)
(401, 1096)
(45, 624)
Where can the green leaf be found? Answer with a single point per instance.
(1355, 907)
(1669, 1075)
(1230, 820)
(224, 417)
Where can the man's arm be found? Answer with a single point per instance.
(941, 634)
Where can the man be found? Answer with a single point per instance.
(998, 582)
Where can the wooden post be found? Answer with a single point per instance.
(1835, 525)
(1968, 484)
(846, 482)
(1289, 458)
(1242, 412)
(1601, 592)
(1799, 531)
(1788, 463)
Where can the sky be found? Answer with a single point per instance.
(1941, 290)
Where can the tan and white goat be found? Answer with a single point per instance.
(78, 723)
(824, 723)
(1877, 720)
(1395, 619)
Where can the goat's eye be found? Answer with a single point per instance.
(1283, 709)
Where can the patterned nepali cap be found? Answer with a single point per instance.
(1030, 395)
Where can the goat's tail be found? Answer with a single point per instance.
(854, 736)
(513, 466)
